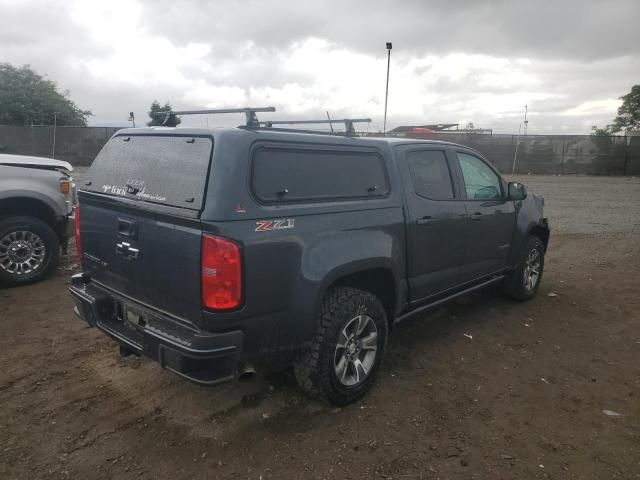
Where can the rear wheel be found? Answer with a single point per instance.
(344, 357)
(29, 250)
(523, 282)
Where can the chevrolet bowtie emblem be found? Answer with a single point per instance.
(126, 250)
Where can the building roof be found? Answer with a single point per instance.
(436, 127)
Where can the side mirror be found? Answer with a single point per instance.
(517, 191)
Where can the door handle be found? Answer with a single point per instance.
(426, 220)
(476, 216)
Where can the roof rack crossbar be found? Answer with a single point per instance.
(250, 113)
(348, 123)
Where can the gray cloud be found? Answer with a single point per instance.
(39, 30)
(580, 52)
(572, 29)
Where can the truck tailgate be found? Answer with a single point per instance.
(143, 253)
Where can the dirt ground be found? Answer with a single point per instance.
(481, 389)
(581, 204)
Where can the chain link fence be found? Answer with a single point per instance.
(76, 145)
(537, 154)
(552, 154)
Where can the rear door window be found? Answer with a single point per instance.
(430, 174)
(169, 170)
(283, 174)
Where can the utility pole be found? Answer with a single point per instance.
(386, 93)
(515, 153)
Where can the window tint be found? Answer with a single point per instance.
(284, 174)
(480, 182)
(430, 174)
(171, 170)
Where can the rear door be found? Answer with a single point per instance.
(436, 222)
(140, 227)
(491, 217)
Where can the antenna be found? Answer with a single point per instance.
(250, 113)
(329, 118)
(348, 123)
(386, 91)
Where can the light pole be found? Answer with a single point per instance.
(386, 93)
(526, 122)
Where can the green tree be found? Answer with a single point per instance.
(157, 115)
(27, 98)
(602, 132)
(629, 112)
(602, 139)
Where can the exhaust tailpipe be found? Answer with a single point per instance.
(246, 372)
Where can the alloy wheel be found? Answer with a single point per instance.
(21, 252)
(531, 273)
(356, 350)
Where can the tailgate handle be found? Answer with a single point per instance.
(128, 228)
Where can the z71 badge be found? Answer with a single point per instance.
(277, 224)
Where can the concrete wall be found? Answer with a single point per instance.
(541, 154)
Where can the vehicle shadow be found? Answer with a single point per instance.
(408, 340)
(274, 403)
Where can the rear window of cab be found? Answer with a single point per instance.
(300, 174)
(165, 169)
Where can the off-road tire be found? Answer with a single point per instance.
(514, 285)
(314, 367)
(51, 245)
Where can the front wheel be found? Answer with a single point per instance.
(345, 354)
(29, 250)
(523, 282)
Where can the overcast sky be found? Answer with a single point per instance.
(453, 62)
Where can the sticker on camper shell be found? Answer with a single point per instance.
(114, 189)
(122, 191)
(277, 224)
(135, 183)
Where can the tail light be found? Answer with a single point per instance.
(221, 273)
(77, 231)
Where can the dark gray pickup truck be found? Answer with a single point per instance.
(215, 251)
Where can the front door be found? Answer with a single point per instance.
(436, 223)
(491, 218)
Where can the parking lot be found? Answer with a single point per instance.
(482, 388)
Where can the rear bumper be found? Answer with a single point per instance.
(200, 356)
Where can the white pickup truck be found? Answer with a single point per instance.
(37, 200)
